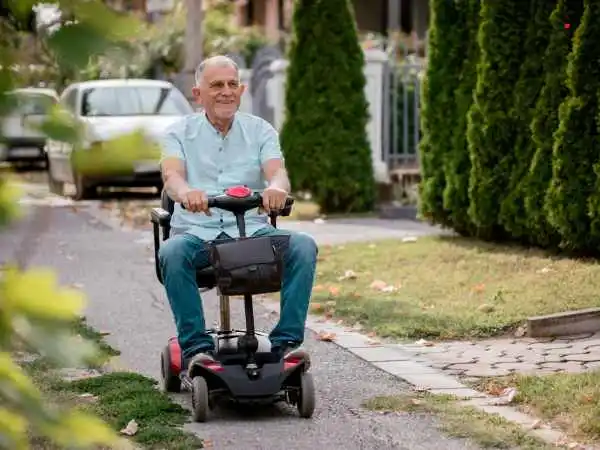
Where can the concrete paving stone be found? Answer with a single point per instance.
(574, 337)
(461, 393)
(453, 359)
(422, 350)
(550, 345)
(372, 354)
(508, 412)
(455, 371)
(592, 365)
(499, 359)
(583, 357)
(570, 367)
(402, 368)
(353, 340)
(517, 367)
(480, 371)
(557, 353)
(432, 381)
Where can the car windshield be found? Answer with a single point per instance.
(33, 104)
(133, 101)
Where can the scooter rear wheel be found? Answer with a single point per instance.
(306, 397)
(171, 381)
(200, 406)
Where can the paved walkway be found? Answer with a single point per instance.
(497, 357)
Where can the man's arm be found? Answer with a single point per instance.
(271, 157)
(172, 163)
(174, 178)
(276, 175)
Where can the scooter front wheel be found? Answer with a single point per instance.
(200, 407)
(306, 397)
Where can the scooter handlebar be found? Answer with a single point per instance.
(242, 204)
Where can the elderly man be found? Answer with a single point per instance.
(203, 154)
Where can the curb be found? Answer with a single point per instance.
(392, 359)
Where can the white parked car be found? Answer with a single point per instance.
(107, 109)
(22, 142)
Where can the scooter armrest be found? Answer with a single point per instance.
(160, 217)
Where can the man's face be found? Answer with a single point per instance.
(219, 92)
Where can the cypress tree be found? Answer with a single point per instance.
(577, 146)
(445, 57)
(324, 133)
(527, 90)
(456, 193)
(564, 21)
(492, 126)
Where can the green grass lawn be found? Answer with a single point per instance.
(447, 288)
(568, 401)
(117, 398)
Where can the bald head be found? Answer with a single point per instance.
(220, 61)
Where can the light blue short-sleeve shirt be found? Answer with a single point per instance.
(215, 162)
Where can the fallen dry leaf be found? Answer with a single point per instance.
(207, 443)
(372, 245)
(131, 429)
(348, 275)
(389, 288)
(415, 401)
(334, 291)
(479, 288)
(425, 343)
(536, 425)
(507, 397)
(378, 284)
(544, 270)
(319, 221)
(371, 334)
(324, 336)
(373, 341)
(316, 307)
(486, 308)
(409, 239)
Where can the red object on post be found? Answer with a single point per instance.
(239, 192)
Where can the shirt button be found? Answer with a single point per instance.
(220, 171)
(220, 149)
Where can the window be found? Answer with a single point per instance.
(133, 101)
(34, 104)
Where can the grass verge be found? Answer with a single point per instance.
(487, 430)
(446, 287)
(574, 405)
(117, 398)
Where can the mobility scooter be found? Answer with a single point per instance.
(245, 370)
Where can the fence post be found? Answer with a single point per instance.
(246, 104)
(276, 91)
(374, 70)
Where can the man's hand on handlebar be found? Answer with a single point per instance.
(195, 200)
(273, 199)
